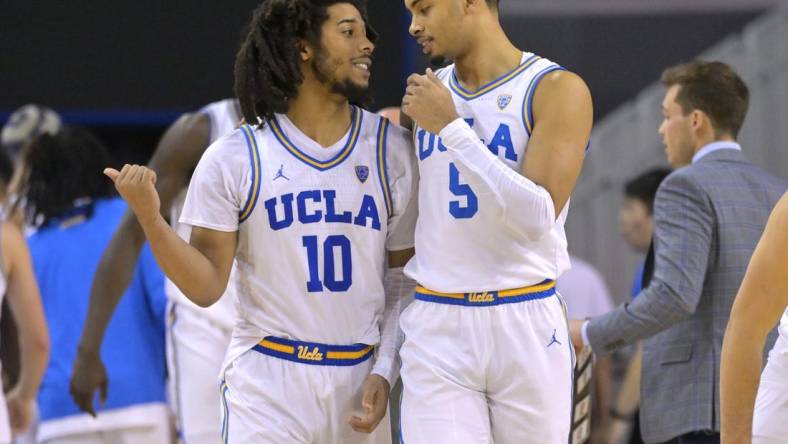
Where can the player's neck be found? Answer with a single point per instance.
(321, 117)
(488, 58)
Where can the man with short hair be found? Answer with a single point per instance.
(708, 217)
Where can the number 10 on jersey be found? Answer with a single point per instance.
(332, 244)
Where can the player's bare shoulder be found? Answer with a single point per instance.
(563, 88)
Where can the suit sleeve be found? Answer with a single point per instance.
(683, 232)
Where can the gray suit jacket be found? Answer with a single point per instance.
(708, 217)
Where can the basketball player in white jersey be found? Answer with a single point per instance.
(197, 337)
(306, 203)
(18, 284)
(500, 136)
(762, 299)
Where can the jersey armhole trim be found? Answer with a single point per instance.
(383, 128)
(211, 128)
(528, 100)
(254, 159)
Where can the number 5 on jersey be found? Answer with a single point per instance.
(456, 208)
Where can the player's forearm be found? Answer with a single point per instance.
(739, 378)
(33, 340)
(113, 276)
(513, 191)
(398, 288)
(34, 351)
(187, 267)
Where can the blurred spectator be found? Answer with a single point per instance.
(635, 218)
(18, 285)
(24, 125)
(586, 295)
(635, 222)
(708, 217)
(68, 200)
(9, 349)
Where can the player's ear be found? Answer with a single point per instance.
(304, 50)
(474, 4)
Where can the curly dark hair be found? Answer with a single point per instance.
(267, 66)
(61, 169)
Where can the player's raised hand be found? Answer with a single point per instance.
(87, 376)
(374, 401)
(428, 102)
(137, 186)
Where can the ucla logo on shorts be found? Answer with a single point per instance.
(485, 296)
(504, 100)
(309, 355)
(362, 173)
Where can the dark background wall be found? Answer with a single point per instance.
(129, 68)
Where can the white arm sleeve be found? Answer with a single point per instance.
(534, 212)
(399, 292)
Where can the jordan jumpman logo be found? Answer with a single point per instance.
(554, 340)
(281, 173)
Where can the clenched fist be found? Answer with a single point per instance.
(428, 102)
(137, 186)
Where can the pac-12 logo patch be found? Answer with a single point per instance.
(504, 100)
(362, 172)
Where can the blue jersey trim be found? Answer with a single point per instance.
(211, 126)
(528, 116)
(383, 129)
(254, 159)
(355, 129)
(458, 89)
(226, 419)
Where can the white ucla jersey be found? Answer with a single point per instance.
(313, 226)
(224, 117)
(462, 241)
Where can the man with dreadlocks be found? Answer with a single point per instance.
(306, 202)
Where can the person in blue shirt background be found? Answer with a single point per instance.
(635, 216)
(72, 206)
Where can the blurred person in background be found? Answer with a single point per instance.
(636, 216)
(636, 225)
(586, 295)
(25, 124)
(708, 217)
(197, 337)
(19, 290)
(755, 405)
(70, 203)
